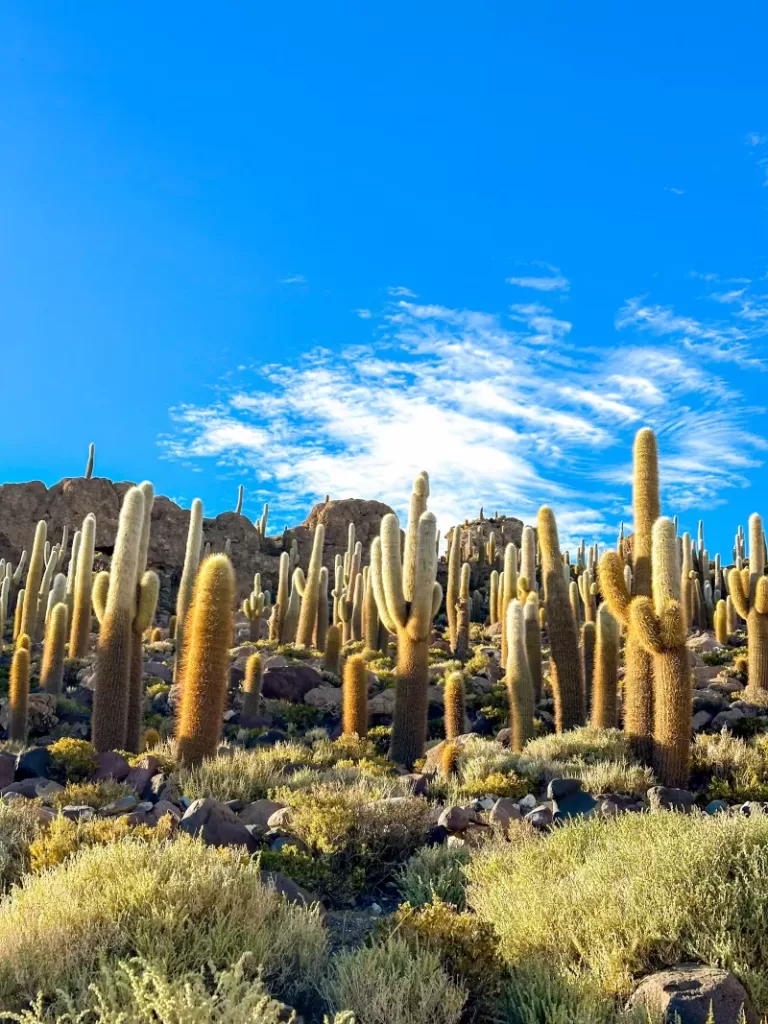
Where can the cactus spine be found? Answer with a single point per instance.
(18, 690)
(528, 556)
(21, 598)
(606, 672)
(370, 613)
(206, 661)
(565, 663)
(251, 689)
(518, 679)
(573, 597)
(82, 590)
(332, 650)
(508, 591)
(659, 626)
(308, 613)
(408, 597)
(52, 670)
(355, 697)
(28, 622)
(749, 592)
(454, 705)
(188, 574)
(588, 642)
(113, 660)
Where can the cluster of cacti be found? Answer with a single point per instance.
(311, 595)
(408, 597)
(748, 589)
(256, 607)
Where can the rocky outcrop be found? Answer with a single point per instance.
(68, 502)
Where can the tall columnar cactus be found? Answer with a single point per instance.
(533, 640)
(52, 670)
(291, 623)
(409, 617)
(321, 623)
(354, 697)
(57, 593)
(638, 678)
(749, 592)
(18, 690)
(528, 556)
(72, 572)
(5, 594)
(311, 597)
(188, 574)
(493, 598)
(338, 589)
(148, 492)
(239, 505)
(51, 561)
(565, 663)
(518, 679)
(251, 689)
(21, 598)
(721, 622)
(89, 463)
(454, 705)
(352, 561)
(606, 674)
(370, 614)
(357, 607)
(731, 617)
(82, 590)
(452, 585)
(659, 626)
(145, 605)
(283, 597)
(508, 590)
(575, 602)
(206, 663)
(264, 519)
(28, 623)
(113, 659)
(588, 642)
(686, 591)
(332, 650)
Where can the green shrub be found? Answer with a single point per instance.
(435, 871)
(19, 825)
(181, 907)
(295, 718)
(466, 947)
(73, 760)
(390, 983)
(246, 774)
(90, 794)
(617, 898)
(64, 838)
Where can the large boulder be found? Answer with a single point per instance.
(695, 994)
(217, 824)
(292, 682)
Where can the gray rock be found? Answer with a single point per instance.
(138, 777)
(163, 807)
(34, 787)
(324, 698)
(456, 819)
(716, 807)
(528, 802)
(577, 805)
(689, 993)
(7, 769)
(382, 705)
(709, 700)
(78, 812)
(259, 812)
(504, 811)
(291, 891)
(727, 718)
(559, 788)
(291, 682)
(123, 805)
(279, 818)
(665, 798)
(110, 765)
(700, 720)
(217, 824)
(418, 783)
(540, 817)
(159, 670)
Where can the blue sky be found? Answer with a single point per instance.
(317, 248)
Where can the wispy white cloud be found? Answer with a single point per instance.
(364, 314)
(556, 283)
(398, 291)
(496, 417)
(756, 139)
(296, 279)
(675, 191)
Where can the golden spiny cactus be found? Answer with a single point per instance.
(454, 705)
(251, 689)
(188, 574)
(508, 590)
(565, 663)
(518, 680)
(308, 613)
(721, 622)
(145, 605)
(606, 673)
(52, 670)
(749, 592)
(370, 613)
(18, 690)
(205, 670)
(355, 697)
(28, 622)
(80, 633)
(588, 641)
(99, 594)
(533, 640)
(453, 585)
(449, 761)
(332, 651)
(321, 623)
(493, 598)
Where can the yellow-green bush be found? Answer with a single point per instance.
(88, 794)
(19, 825)
(616, 898)
(181, 906)
(390, 983)
(435, 871)
(73, 760)
(63, 838)
(466, 946)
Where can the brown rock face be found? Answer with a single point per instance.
(69, 501)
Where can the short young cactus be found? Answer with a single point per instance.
(454, 705)
(354, 699)
(52, 670)
(251, 690)
(18, 690)
(332, 651)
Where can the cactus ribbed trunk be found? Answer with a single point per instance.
(454, 705)
(409, 725)
(18, 693)
(606, 674)
(533, 645)
(518, 680)
(251, 689)
(355, 697)
(80, 632)
(134, 728)
(672, 718)
(757, 650)
(588, 640)
(52, 670)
